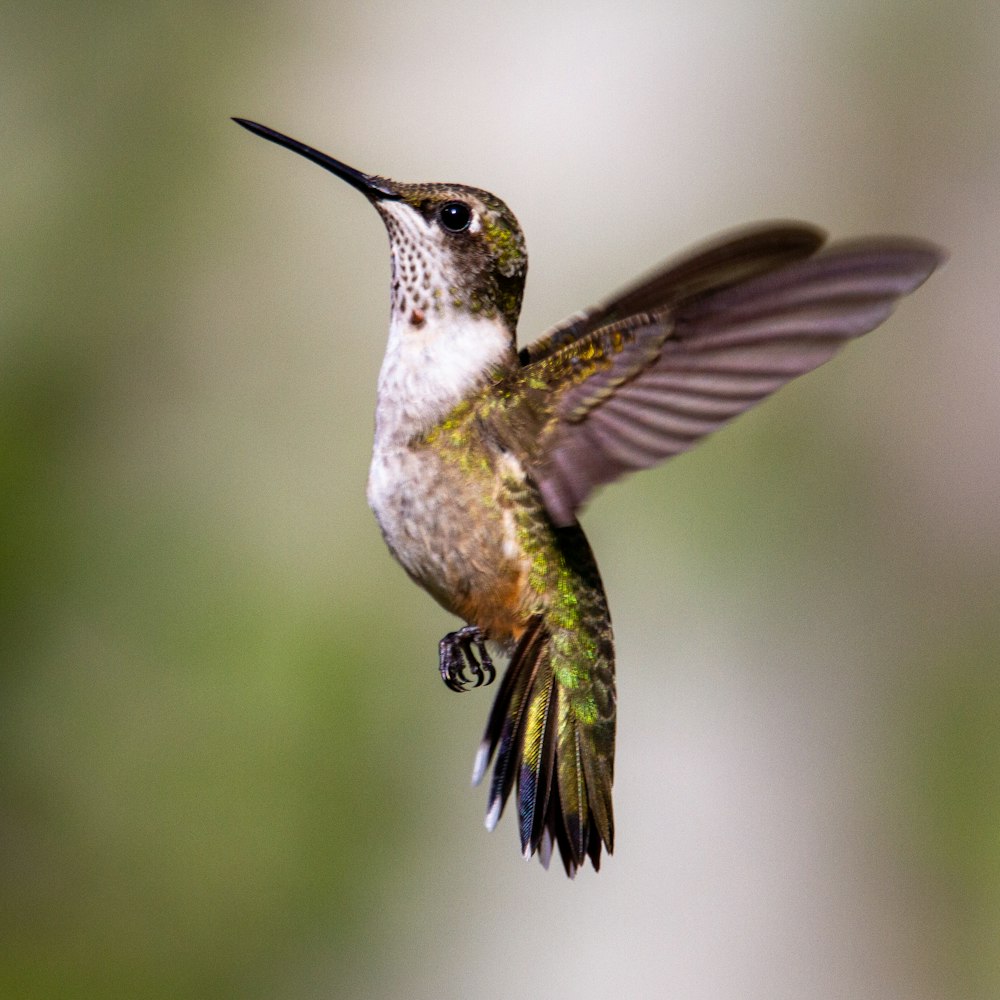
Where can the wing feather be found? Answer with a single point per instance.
(724, 260)
(647, 386)
(684, 423)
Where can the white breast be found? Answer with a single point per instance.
(429, 370)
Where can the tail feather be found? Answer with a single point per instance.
(506, 722)
(534, 777)
(598, 771)
(572, 784)
(536, 736)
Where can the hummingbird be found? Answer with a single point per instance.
(484, 454)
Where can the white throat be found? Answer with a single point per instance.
(440, 351)
(431, 367)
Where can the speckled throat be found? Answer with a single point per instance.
(479, 270)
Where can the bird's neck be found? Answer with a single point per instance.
(432, 362)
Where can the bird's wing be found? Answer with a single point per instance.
(724, 260)
(649, 373)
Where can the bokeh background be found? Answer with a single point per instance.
(227, 764)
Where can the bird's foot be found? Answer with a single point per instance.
(457, 651)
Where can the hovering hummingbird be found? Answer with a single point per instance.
(484, 454)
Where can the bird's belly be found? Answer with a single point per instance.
(453, 528)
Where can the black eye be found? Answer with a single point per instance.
(455, 216)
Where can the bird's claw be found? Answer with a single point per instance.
(457, 652)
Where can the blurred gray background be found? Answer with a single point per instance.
(228, 766)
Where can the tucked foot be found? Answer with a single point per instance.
(457, 652)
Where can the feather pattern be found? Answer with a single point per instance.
(534, 778)
(723, 260)
(551, 729)
(638, 379)
(712, 342)
(504, 730)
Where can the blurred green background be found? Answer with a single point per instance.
(227, 764)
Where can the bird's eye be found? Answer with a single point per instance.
(455, 216)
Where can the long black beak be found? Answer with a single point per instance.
(376, 188)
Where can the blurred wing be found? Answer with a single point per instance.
(642, 388)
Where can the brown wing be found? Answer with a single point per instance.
(724, 260)
(640, 388)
